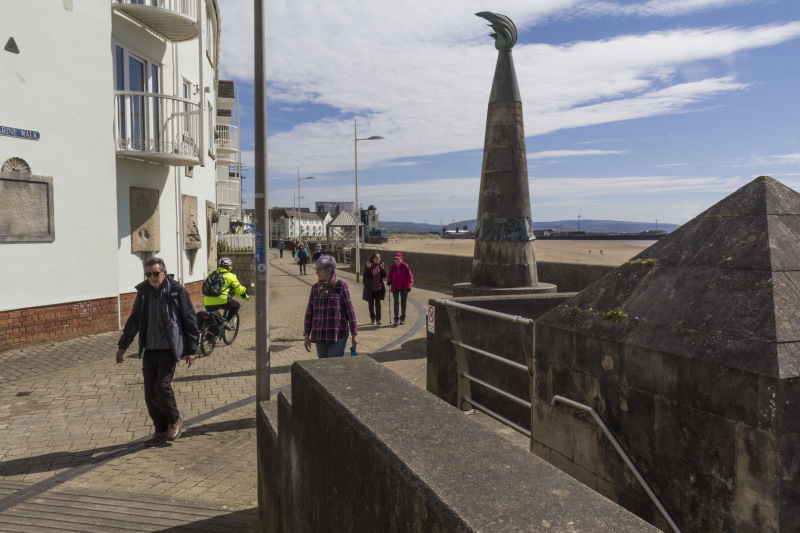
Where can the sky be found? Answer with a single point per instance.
(634, 110)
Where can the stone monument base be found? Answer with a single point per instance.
(467, 289)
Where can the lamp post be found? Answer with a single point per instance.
(297, 211)
(355, 149)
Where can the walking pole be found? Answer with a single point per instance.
(390, 308)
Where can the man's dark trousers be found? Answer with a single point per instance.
(158, 367)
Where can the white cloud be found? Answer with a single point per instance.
(547, 154)
(423, 81)
(654, 8)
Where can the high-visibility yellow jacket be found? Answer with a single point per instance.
(232, 286)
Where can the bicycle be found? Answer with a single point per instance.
(211, 331)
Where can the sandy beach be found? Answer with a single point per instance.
(587, 252)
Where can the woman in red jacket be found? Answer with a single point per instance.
(401, 280)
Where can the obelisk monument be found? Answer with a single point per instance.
(503, 258)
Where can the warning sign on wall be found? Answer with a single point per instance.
(431, 319)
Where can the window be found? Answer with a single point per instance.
(138, 115)
(211, 34)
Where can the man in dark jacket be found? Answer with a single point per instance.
(164, 318)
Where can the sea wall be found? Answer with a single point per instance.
(443, 270)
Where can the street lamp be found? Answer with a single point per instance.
(355, 149)
(297, 211)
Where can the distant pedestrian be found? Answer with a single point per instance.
(374, 289)
(329, 312)
(293, 247)
(319, 252)
(164, 318)
(401, 280)
(302, 257)
(281, 246)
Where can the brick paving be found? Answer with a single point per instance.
(73, 422)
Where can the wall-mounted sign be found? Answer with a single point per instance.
(19, 133)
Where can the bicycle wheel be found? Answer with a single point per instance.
(230, 336)
(207, 339)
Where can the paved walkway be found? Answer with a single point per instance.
(73, 422)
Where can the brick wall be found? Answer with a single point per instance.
(49, 323)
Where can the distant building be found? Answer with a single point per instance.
(307, 225)
(334, 208)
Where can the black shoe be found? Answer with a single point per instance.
(372, 323)
(157, 438)
(402, 322)
(379, 322)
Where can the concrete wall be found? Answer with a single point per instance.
(444, 270)
(358, 448)
(493, 335)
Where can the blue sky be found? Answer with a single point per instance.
(634, 110)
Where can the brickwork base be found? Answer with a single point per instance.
(50, 323)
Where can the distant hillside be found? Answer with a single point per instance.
(589, 226)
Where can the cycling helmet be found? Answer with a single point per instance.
(224, 262)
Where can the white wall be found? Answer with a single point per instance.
(178, 62)
(61, 85)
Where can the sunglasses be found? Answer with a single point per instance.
(148, 274)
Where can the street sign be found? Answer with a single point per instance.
(356, 214)
(432, 319)
(259, 248)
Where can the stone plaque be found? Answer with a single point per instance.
(211, 235)
(26, 214)
(145, 220)
(191, 232)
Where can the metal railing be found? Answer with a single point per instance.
(156, 124)
(187, 8)
(465, 379)
(226, 138)
(228, 193)
(560, 399)
(528, 344)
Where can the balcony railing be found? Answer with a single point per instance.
(156, 127)
(226, 138)
(175, 20)
(228, 193)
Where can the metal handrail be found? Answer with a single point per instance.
(465, 401)
(621, 453)
(156, 123)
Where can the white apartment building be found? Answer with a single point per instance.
(110, 146)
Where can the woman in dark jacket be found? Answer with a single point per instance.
(374, 289)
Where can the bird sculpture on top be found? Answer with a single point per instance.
(506, 36)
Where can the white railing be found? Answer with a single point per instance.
(187, 8)
(166, 127)
(228, 193)
(233, 243)
(226, 138)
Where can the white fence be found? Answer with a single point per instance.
(235, 243)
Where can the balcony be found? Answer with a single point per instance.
(226, 139)
(156, 127)
(175, 20)
(228, 194)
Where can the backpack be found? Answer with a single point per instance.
(214, 284)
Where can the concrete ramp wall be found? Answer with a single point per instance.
(357, 448)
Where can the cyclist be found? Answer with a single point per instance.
(231, 286)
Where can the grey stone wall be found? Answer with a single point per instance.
(490, 334)
(357, 448)
(444, 270)
(244, 266)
